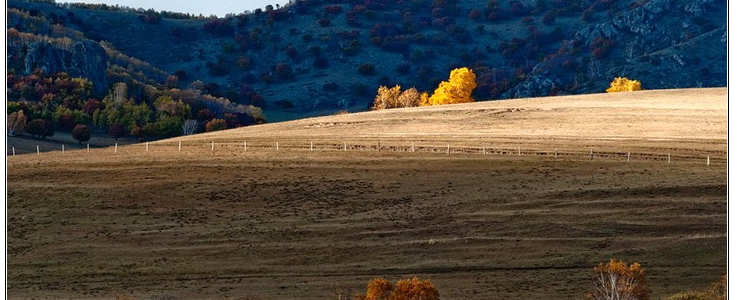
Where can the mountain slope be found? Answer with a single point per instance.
(305, 58)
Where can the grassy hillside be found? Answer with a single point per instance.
(296, 223)
(305, 59)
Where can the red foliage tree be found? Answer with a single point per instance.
(205, 115)
(81, 133)
(116, 131)
(216, 125)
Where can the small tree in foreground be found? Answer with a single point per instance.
(719, 288)
(717, 291)
(379, 289)
(623, 84)
(406, 289)
(617, 280)
(81, 133)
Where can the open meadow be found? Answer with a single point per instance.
(515, 199)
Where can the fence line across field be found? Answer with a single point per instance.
(426, 147)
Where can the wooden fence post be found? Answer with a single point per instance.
(412, 147)
(88, 149)
(179, 146)
(146, 146)
(277, 146)
(449, 149)
(669, 158)
(708, 160)
(37, 150)
(14, 151)
(519, 150)
(63, 148)
(344, 146)
(311, 146)
(115, 147)
(555, 152)
(628, 156)
(591, 153)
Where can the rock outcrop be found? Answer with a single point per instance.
(83, 59)
(649, 48)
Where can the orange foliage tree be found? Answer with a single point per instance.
(457, 89)
(379, 289)
(719, 288)
(406, 289)
(717, 291)
(618, 280)
(623, 84)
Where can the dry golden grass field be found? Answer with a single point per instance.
(481, 221)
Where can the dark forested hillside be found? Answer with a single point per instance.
(316, 57)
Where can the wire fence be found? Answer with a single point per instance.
(421, 147)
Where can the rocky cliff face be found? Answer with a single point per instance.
(83, 59)
(663, 43)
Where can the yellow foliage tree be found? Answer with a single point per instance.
(618, 280)
(457, 89)
(395, 98)
(424, 99)
(406, 289)
(409, 98)
(623, 84)
(386, 97)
